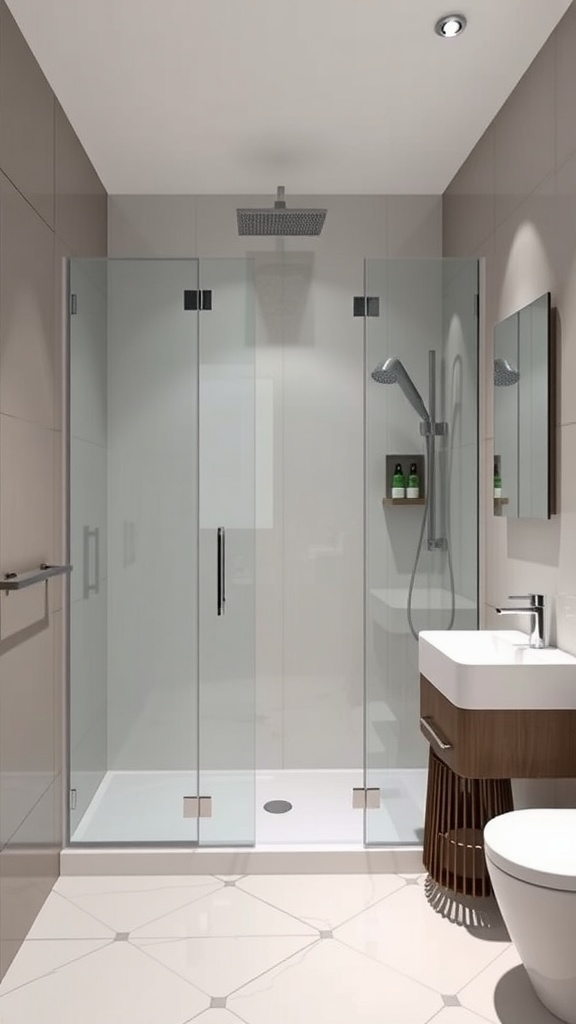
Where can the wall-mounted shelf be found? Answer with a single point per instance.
(403, 501)
(405, 461)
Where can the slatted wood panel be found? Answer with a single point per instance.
(457, 810)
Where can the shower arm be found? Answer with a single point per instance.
(431, 430)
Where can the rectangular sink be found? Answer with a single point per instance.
(497, 669)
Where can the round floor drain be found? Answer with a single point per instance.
(278, 806)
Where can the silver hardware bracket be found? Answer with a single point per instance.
(21, 580)
(365, 799)
(197, 807)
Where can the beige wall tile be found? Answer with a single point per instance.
(26, 725)
(26, 120)
(524, 134)
(565, 86)
(80, 197)
(27, 874)
(27, 346)
(27, 495)
(469, 201)
(414, 226)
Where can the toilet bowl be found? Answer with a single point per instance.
(531, 859)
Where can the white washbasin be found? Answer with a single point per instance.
(497, 669)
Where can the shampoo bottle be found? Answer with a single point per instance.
(398, 482)
(413, 489)
(497, 482)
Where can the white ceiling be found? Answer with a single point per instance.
(324, 96)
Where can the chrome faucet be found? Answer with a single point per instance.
(535, 609)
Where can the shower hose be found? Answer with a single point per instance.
(429, 491)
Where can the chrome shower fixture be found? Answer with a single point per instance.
(505, 374)
(393, 372)
(279, 220)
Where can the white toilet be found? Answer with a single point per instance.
(531, 858)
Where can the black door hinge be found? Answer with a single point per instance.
(368, 305)
(196, 298)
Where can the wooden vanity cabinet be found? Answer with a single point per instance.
(496, 744)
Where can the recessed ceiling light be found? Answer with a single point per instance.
(450, 25)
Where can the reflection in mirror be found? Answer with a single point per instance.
(523, 449)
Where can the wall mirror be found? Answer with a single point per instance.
(524, 388)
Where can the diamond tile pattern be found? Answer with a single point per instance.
(133, 950)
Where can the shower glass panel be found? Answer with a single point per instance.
(421, 569)
(142, 613)
(226, 553)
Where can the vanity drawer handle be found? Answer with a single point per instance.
(431, 728)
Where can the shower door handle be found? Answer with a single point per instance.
(88, 535)
(221, 570)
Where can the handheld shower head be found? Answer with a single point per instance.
(392, 371)
(505, 374)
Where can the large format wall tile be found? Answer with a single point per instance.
(28, 362)
(524, 133)
(81, 201)
(468, 217)
(26, 120)
(565, 86)
(33, 463)
(26, 726)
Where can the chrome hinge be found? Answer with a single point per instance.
(72, 796)
(73, 304)
(365, 799)
(197, 807)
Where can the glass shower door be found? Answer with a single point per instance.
(133, 529)
(421, 572)
(227, 552)
(162, 518)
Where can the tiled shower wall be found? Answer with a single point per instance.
(52, 205)
(514, 203)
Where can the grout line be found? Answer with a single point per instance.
(281, 964)
(485, 968)
(145, 924)
(60, 967)
(170, 970)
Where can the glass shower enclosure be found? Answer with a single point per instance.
(164, 472)
(161, 483)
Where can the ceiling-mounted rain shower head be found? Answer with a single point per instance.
(393, 372)
(505, 374)
(278, 220)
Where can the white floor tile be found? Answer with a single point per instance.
(330, 983)
(322, 901)
(458, 1015)
(38, 957)
(127, 902)
(502, 992)
(228, 912)
(216, 1017)
(220, 966)
(60, 919)
(115, 985)
(405, 933)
